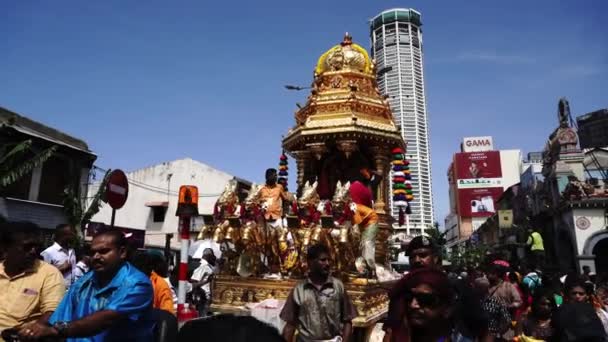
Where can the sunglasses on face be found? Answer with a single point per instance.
(427, 300)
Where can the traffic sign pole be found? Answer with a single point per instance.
(113, 218)
(117, 191)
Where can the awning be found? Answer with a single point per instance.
(157, 204)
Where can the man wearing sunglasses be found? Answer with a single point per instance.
(31, 288)
(318, 307)
(428, 298)
(422, 252)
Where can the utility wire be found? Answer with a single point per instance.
(154, 188)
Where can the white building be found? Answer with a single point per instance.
(152, 199)
(584, 230)
(397, 48)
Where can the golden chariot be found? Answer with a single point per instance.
(346, 125)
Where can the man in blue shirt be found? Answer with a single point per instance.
(111, 303)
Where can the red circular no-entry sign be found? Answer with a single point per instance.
(117, 189)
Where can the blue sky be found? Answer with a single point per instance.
(150, 81)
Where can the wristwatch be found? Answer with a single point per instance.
(62, 328)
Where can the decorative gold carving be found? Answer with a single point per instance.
(347, 147)
(317, 149)
(370, 300)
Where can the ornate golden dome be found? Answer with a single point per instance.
(345, 56)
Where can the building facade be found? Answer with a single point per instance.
(153, 193)
(593, 129)
(563, 195)
(477, 178)
(38, 196)
(396, 40)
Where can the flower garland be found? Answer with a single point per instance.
(283, 170)
(402, 183)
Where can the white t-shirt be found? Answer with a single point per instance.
(57, 255)
(79, 270)
(202, 273)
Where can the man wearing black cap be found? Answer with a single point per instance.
(423, 252)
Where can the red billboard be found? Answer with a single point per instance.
(475, 165)
(479, 182)
(480, 202)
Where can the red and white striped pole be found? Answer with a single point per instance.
(187, 206)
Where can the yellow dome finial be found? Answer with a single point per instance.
(345, 56)
(348, 39)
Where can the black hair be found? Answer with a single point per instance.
(13, 230)
(118, 237)
(208, 252)
(543, 293)
(270, 172)
(574, 280)
(469, 316)
(228, 328)
(159, 264)
(142, 261)
(499, 270)
(316, 250)
(82, 251)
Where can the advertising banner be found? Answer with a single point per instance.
(478, 202)
(478, 165)
(505, 219)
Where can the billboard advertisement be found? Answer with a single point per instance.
(476, 165)
(480, 202)
(479, 182)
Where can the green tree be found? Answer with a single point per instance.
(15, 162)
(438, 237)
(74, 204)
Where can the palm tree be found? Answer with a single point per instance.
(14, 162)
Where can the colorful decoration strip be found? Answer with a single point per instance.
(283, 168)
(402, 183)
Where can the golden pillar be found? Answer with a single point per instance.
(382, 163)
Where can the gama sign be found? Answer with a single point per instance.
(477, 144)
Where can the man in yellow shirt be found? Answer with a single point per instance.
(30, 289)
(537, 247)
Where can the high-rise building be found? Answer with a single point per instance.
(593, 129)
(397, 48)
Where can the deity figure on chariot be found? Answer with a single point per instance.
(341, 144)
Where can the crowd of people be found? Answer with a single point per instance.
(107, 292)
(495, 302)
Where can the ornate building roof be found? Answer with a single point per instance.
(344, 101)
